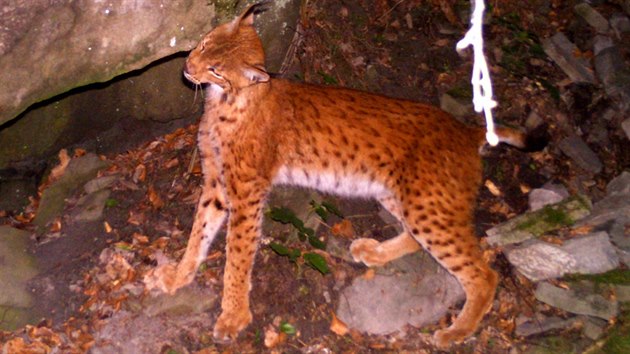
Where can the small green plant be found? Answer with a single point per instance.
(312, 259)
(286, 327)
(111, 203)
(325, 209)
(328, 79)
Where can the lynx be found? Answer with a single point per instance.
(421, 164)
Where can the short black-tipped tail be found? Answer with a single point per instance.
(534, 140)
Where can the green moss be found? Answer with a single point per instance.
(618, 339)
(616, 276)
(552, 216)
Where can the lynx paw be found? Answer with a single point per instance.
(365, 250)
(229, 325)
(165, 278)
(443, 338)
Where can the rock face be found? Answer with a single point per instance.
(48, 49)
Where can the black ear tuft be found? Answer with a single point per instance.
(248, 15)
(537, 138)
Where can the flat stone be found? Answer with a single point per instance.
(620, 23)
(388, 302)
(541, 260)
(539, 222)
(622, 292)
(571, 301)
(548, 194)
(15, 193)
(562, 52)
(456, 107)
(574, 147)
(186, 301)
(592, 17)
(609, 66)
(17, 267)
(593, 253)
(619, 185)
(625, 125)
(79, 171)
(526, 327)
(90, 207)
(99, 183)
(593, 328)
(611, 208)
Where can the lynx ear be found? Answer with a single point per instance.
(255, 74)
(247, 17)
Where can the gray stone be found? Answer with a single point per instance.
(611, 71)
(456, 107)
(540, 323)
(548, 194)
(186, 301)
(622, 292)
(541, 260)
(593, 328)
(99, 183)
(79, 171)
(571, 301)
(533, 120)
(592, 17)
(17, 267)
(611, 208)
(593, 253)
(90, 207)
(620, 23)
(15, 193)
(389, 302)
(574, 147)
(562, 52)
(297, 200)
(536, 223)
(619, 185)
(625, 125)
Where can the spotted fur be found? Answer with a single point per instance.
(419, 162)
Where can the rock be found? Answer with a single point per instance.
(17, 267)
(541, 260)
(533, 120)
(79, 171)
(297, 200)
(590, 254)
(592, 17)
(611, 208)
(548, 194)
(593, 253)
(622, 292)
(562, 52)
(625, 125)
(526, 327)
(388, 302)
(593, 328)
(90, 207)
(611, 71)
(456, 107)
(99, 183)
(570, 301)
(574, 147)
(620, 23)
(534, 224)
(186, 301)
(69, 45)
(15, 193)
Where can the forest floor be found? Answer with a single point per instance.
(402, 49)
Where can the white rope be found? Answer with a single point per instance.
(482, 86)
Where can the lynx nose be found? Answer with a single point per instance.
(189, 73)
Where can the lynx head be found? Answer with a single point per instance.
(230, 56)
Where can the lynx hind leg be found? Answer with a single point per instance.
(448, 236)
(209, 217)
(374, 253)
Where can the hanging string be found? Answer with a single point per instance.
(481, 84)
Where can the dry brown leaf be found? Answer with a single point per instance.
(140, 173)
(154, 198)
(136, 218)
(55, 226)
(337, 326)
(582, 230)
(343, 229)
(171, 163)
(108, 228)
(139, 238)
(492, 188)
(273, 338)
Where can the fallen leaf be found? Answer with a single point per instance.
(337, 326)
(343, 229)
(140, 173)
(171, 163)
(492, 188)
(369, 274)
(108, 228)
(273, 338)
(154, 198)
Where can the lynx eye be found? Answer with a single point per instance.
(212, 70)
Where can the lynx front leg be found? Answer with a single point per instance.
(211, 212)
(244, 228)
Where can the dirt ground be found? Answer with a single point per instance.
(397, 48)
